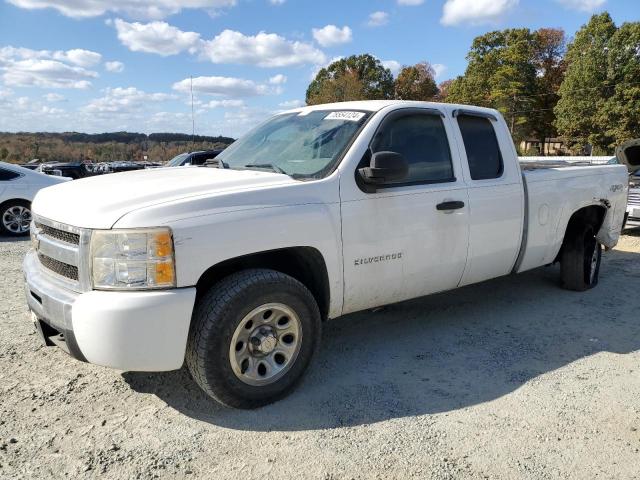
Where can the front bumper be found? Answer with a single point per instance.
(144, 331)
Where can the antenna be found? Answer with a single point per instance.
(193, 118)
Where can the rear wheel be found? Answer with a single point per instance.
(252, 338)
(580, 261)
(15, 218)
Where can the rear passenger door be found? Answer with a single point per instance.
(496, 195)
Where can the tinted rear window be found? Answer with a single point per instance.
(481, 145)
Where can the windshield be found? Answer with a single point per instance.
(177, 160)
(302, 145)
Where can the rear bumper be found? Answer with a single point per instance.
(145, 331)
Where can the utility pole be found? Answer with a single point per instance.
(193, 118)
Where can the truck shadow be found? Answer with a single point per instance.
(438, 353)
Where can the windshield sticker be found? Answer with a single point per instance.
(349, 116)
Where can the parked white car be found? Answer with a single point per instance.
(18, 186)
(316, 213)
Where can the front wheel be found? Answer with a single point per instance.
(15, 218)
(580, 261)
(252, 337)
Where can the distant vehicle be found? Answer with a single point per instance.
(629, 154)
(73, 170)
(193, 158)
(18, 186)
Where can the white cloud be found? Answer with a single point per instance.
(292, 104)
(224, 104)
(124, 100)
(24, 67)
(276, 2)
(410, 3)
(475, 12)
(78, 56)
(114, 67)
(377, 19)
(53, 97)
(392, 65)
(156, 37)
(278, 79)
(582, 5)
(148, 9)
(330, 35)
(263, 50)
(439, 69)
(223, 86)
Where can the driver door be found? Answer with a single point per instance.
(399, 242)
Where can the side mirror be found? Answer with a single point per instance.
(384, 167)
(629, 154)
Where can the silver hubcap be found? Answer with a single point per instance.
(17, 219)
(265, 344)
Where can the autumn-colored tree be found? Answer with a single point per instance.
(585, 88)
(443, 91)
(416, 82)
(548, 59)
(358, 77)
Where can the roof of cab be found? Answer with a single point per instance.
(377, 105)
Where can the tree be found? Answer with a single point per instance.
(620, 112)
(585, 88)
(500, 74)
(443, 91)
(548, 59)
(416, 82)
(358, 77)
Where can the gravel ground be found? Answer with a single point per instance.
(512, 378)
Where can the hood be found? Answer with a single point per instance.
(629, 154)
(98, 202)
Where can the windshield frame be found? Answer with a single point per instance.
(331, 166)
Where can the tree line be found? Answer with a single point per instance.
(102, 147)
(586, 90)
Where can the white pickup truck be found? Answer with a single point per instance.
(316, 213)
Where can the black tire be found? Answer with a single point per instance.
(5, 209)
(218, 314)
(580, 261)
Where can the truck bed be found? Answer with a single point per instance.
(554, 189)
(537, 163)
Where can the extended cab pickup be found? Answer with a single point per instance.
(318, 212)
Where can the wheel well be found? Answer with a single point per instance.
(11, 200)
(305, 264)
(592, 215)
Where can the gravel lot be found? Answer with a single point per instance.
(513, 378)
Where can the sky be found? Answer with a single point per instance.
(98, 65)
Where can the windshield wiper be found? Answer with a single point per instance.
(270, 166)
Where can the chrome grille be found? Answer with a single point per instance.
(63, 251)
(634, 197)
(61, 268)
(68, 237)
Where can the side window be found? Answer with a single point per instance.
(481, 145)
(7, 174)
(422, 140)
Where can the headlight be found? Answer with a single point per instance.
(132, 259)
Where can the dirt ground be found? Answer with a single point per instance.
(512, 378)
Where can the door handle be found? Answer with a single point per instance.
(451, 205)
